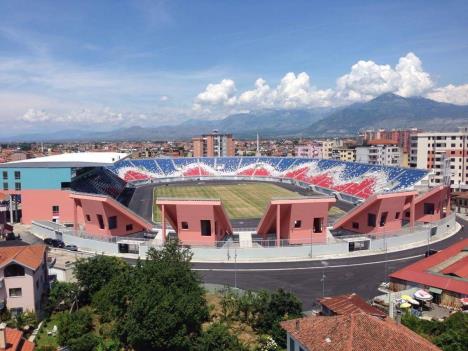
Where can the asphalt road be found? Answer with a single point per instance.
(360, 274)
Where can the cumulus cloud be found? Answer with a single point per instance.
(33, 115)
(365, 81)
(368, 79)
(222, 93)
(293, 91)
(451, 94)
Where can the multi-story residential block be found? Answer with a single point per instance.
(213, 145)
(446, 153)
(380, 152)
(310, 150)
(343, 154)
(23, 277)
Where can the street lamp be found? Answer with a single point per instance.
(322, 280)
(310, 254)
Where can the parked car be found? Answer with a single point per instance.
(71, 247)
(49, 241)
(54, 243)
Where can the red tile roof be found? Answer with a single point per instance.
(30, 256)
(382, 142)
(355, 332)
(13, 340)
(350, 303)
(424, 271)
(459, 268)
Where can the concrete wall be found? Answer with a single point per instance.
(91, 208)
(259, 253)
(37, 178)
(37, 205)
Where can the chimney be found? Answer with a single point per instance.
(3, 341)
(298, 324)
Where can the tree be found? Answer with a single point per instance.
(165, 306)
(449, 335)
(271, 308)
(111, 302)
(85, 342)
(217, 337)
(95, 272)
(62, 296)
(72, 326)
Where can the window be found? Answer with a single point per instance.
(14, 270)
(184, 225)
(17, 175)
(205, 227)
(428, 208)
(371, 219)
(18, 186)
(5, 175)
(355, 225)
(101, 221)
(297, 223)
(88, 218)
(397, 215)
(383, 218)
(112, 222)
(129, 227)
(292, 344)
(16, 311)
(15, 292)
(5, 186)
(318, 225)
(55, 209)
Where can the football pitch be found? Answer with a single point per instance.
(241, 201)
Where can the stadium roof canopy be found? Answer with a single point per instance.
(78, 159)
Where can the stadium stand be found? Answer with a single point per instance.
(356, 179)
(99, 181)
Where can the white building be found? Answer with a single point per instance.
(380, 152)
(311, 150)
(447, 154)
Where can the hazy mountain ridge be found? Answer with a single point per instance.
(385, 111)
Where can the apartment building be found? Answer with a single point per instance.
(213, 145)
(444, 152)
(380, 152)
(311, 150)
(343, 154)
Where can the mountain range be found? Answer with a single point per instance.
(385, 111)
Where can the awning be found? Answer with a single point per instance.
(435, 291)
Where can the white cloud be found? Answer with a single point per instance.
(451, 94)
(412, 80)
(33, 115)
(367, 80)
(222, 93)
(293, 91)
(164, 98)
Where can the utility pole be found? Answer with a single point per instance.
(235, 269)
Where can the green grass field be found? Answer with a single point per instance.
(241, 201)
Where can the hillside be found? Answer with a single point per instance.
(391, 111)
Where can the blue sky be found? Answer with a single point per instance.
(114, 63)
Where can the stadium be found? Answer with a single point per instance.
(107, 202)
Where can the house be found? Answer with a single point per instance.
(12, 340)
(23, 277)
(352, 332)
(347, 304)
